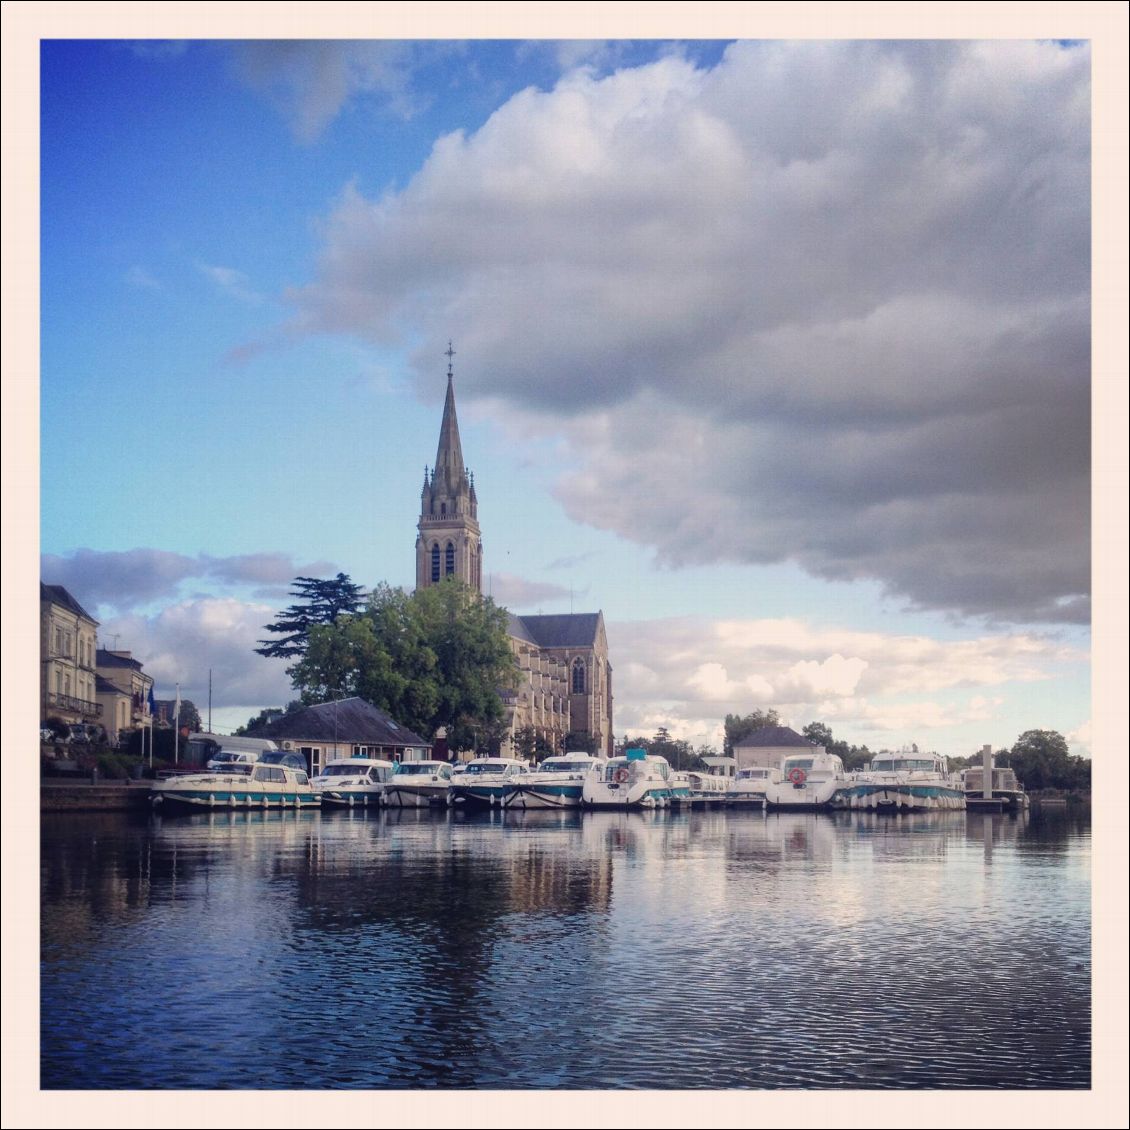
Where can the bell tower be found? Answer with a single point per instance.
(448, 542)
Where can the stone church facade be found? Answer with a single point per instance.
(565, 684)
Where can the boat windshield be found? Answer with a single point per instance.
(904, 765)
(344, 770)
(564, 766)
(238, 767)
(486, 767)
(418, 768)
(798, 763)
(752, 774)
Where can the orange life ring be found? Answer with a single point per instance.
(797, 775)
(621, 775)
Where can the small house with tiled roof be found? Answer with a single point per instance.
(768, 746)
(349, 727)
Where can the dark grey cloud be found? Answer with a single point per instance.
(309, 81)
(132, 578)
(824, 302)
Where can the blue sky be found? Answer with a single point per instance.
(778, 353)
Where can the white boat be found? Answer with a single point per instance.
(1008, 793)
(808, 782)
(680, 784)
(484, 781)
(418, 784)
(903, 782)
(636, 780)
(256, 786)
(353, 781)
(707, 788)
(556, 783)
(749, 785)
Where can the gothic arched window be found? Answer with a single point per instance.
(449, 560)
(435, 563)
(578, 675)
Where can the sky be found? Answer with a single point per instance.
(778, 352)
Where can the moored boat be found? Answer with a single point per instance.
(1006, 793)
(353, 781)
(636, 780)
(418, 784)
(556, 783)
(808, 782)
(237, 786)
(903, 782)
(484, 781)
(747, 789)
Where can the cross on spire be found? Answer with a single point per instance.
(449, 353)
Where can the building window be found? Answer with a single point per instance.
(435, 563)
(449, 560)
(578, 676)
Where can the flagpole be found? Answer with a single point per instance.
(176, 729)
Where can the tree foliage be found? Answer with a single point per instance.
(1041, 760)
(739, 727)
(437, 657)
(322, 602)
(854, 756)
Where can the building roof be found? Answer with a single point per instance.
(56, 594)
(105, 658)
(350, 720)
(571, 629)
(104, 686)
(775, 736)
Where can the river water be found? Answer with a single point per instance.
(710, 949)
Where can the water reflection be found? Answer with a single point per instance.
(408, 948)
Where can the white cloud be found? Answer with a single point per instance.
(825, 302)
(232, 282)
(183, 642)
(693, 671)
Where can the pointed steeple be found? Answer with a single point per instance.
(449, 543)
(449, 470)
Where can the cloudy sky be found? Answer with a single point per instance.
(778, 352)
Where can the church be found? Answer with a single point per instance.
(565, 685)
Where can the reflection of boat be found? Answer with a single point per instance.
(636, 780)
(484, 781)
(1007, 793)
(903, 782)
(238, 786)
(556, 783)
(749, 785)
(807, 782)
(418, 784)
(353, 781)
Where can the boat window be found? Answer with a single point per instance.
(301, 777)
(798, 763)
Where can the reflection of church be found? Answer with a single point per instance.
(566, 679)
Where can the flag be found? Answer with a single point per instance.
(176, 706)
(150, 704)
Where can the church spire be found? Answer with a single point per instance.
(449, 470)
(449, 543)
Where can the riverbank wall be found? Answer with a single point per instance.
(93, 796)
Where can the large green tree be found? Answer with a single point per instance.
(1040, 758)
(437, 657)
(320, 602)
